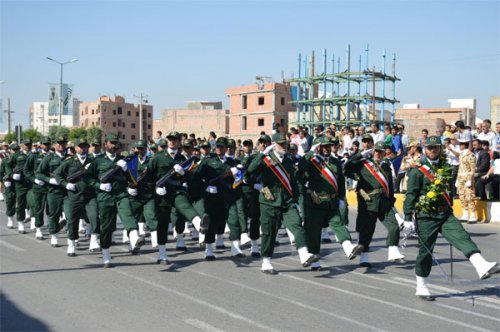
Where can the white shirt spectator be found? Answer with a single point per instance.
(450, 157)
(347, 143)
(302, 146)
(378, 137)
(490, 137)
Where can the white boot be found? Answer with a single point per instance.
(483, 268)
(136, 241)
(81, 226)
(422, 290)
(125, 238)
(325, 236)
(154, 239)
(38, 234)
(27, 213)
(71, 248)
(201, 239)
(254, 249)
(20, 227)
(94, 243)
(32, 224)
(290, 235)
(267, 266)
(180, 245)
(209, 253)
(219, 241)
(186, 228)
(400, 220)
(226, 229)
(306, 258)
(351, 250)
(106, 258)
(2, 198)
(236, 250)
(465, 215)
(316, 266)
(195, 235)
(196, 223)
(113, 238)
(53, 241)
(174, 233)
(472, 218)
(244, 238)
(394, 255)
(10, 222)
(162, 255)
(364, 260)
(141, 228)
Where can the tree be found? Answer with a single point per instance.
(79, 132)
(10, 137)
(32, 134)
(56, 131)
(94, 133)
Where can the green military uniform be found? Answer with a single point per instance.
(56, 194)
(23, 185)
(324, 181)
(37, 197)
(375, 194)
(9, 184)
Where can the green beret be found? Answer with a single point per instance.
(231, 142)
(174, 135)
(112, 137)
(95, 141)
(221, 141)
(81, 141)
(380, 146)
(153, 146)
(433, 141)
(14, 146)
(71, 144)
(293, 146)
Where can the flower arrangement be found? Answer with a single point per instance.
(435, 196)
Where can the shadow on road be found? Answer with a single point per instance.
(14, 319)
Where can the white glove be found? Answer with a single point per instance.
(367, 153)
(185, 185)
(258, 186)
(71, 187)
(269, 148)
(16, 177)
(105, 187)
(456, 183)
(235, 171)
(468, 184)
(211, 189)
(132, 191)
(7, 184)
(53, 181)
(341, 204)
(408, 226)
(39, 182)
(178, 169)
(161, 191)
(314, 147)
(123, 164)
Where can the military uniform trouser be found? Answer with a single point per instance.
(251, 209)
(10, 201)
(145, 207)
(365, 226)
(216, 208)
(452, 230)
(37, 202)
(21, 203)
(92, 217)
(344, 214)
(236, 220)
(270, 221)
(314, 220)
(467, 195)
(55, 202)
(163, 213)
(73, 210)
(107, 215)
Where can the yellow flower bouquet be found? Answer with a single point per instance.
(435, 196)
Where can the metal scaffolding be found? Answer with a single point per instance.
(340, 100)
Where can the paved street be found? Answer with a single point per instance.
(43, 289)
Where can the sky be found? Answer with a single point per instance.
(176, 51)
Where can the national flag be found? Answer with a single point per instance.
(396, 163)
(132, 168)
(238, 178)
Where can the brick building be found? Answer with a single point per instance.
(254, 108)
(117, 116)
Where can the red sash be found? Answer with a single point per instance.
(278, 170)
(375, 171)
(427, 172)
(326, 172)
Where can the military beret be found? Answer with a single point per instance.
(141, 144)
(45, 140)
(174, 135)
(231, 142)
(380, 146)
(367, 137)
(81, 141)
(247, 142)
(197, 147)
(265, 138)
(433, 141)
(112, 137)
(221, 141)
(71, 144)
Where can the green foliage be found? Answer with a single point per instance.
(79, 132)
(10, 137)
(32, 134)
(94, 133)
(56, 131)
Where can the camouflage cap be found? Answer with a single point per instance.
(45, 140)
(433, 141)
(264, 138)
(140, 144)
(162, 142)
(367, 137)
(380, 146)
(231, 142)
(221, 141)
(81, 141)
(112, 138)
(174, 135)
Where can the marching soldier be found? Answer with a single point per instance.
(38, 195)
(4, 152)
(23, 185)
(9, 184)
(439, 220)
(322, 176)
(278, 203)
(375, 198)
(56, 194)
(107, 174)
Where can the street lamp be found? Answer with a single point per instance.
(61, 85)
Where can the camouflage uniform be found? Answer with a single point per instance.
(466, 169)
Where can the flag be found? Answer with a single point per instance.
(238, 178)
(396, 163)
(132, 168)
(189, 165)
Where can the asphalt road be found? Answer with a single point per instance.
(43, 289)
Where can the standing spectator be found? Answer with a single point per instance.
(405, 139)
(452, 153)
(396, 144)
(477, 130)
(158, 136)
(482, 165)
(361, 133)
(348, 139)
(487, 134)
(464, 134)
(302, 144)
(423, 138)
(439, 133)
(211, 139)
(447, 131)
(497, 144)
(377, 135)
(388, 136)
(309, 138)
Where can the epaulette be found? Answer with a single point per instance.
(68, 157)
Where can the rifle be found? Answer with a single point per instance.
(135, 183)
(75, 177)
(161, 182)
(16, 169)
(106, 177)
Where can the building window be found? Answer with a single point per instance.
(282, 101)
(261, 100)
(282, 122)
(244, 102)
(128, 113)
(119, 110)
(114, 124)
(123, 125)
(243, 123)
(260, 122)
(149, 115)
(149, 126)
(132, 125)
(114, 112)
(123, 136)
(92, 111)
(132, 137)
(137, 114)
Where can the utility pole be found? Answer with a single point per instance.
(141, 98)
(9, 119)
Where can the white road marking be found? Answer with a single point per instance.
(11, 246)
(359, 284)
(202, 325)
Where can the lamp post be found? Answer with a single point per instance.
(61, 85)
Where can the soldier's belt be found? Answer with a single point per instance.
(442, 208)
(321, 195)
